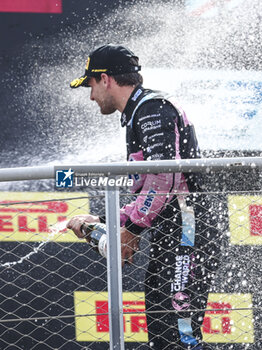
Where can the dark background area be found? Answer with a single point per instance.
(16, 28)
(21, 45)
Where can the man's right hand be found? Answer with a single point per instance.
(77, 221)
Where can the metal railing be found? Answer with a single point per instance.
(124, 168)
(115, 307)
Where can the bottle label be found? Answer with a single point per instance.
(102, 246)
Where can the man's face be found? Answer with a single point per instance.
(100, 93)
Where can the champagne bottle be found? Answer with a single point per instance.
(96, 235)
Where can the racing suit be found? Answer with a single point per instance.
(183, 254)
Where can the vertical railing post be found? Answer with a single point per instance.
(114, 269)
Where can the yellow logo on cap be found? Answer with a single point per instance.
(87, 63)
(77, 82)
(99, 70)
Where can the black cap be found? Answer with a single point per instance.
(109, 59)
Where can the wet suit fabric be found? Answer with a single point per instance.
(183, 254)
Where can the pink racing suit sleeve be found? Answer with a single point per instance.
(152, 199)
(158, 138)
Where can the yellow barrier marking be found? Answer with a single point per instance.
(245, 219)
(221, 326)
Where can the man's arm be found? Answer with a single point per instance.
(158, 137)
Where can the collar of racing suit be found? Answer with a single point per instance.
(138, 93)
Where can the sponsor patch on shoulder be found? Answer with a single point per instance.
(137, 94)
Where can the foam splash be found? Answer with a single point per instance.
(53, 231)
(70, 127)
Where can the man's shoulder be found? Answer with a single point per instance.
(148, 104)
(156, 105)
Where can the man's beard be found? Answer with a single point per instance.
(108, 105)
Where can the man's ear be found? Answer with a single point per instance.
(106, 81)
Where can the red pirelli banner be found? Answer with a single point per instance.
(28, 216)
(31, 6)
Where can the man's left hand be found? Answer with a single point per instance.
(129, 245)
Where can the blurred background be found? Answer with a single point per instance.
(207, 53)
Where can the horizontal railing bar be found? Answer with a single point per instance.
(27, 173)
(125, 168)
(43, 318)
